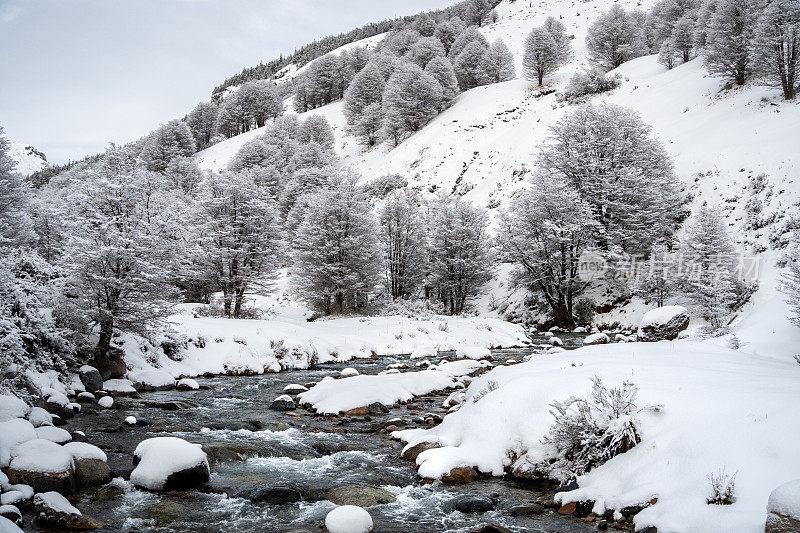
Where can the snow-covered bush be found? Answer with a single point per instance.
(587, 83)
(589, 431)
(584, 311)
(722, 488)
(490, 386)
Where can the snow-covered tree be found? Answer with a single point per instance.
(202, 120)
(683, 37)
(442, 71)
(448, 31)
(614, 38)
(471, 67)
(475, 11)
(776, 48)
(15, 225)
(369, 123)
(422, 51)
(499, 63)
(323, 83)
(365, 89)
(541, 55)
(317, 130)
(403, 240)
(460, 255)
(557, 29)
(668, 54)
(412, 97)
(424, 24)
(610, 156)
(790, 281)
(469, 35)
(336, 251)
(173, 139)
(122, 244)
(657, 278)
(239, 238)
(710, 265)
(544, 233)
(400, 42)
(730, 37)
(184, 174)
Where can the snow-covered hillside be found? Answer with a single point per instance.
(28, 158)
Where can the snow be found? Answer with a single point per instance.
(39, 455)
(152, 377)
(130, 420)
(124, 386)
(7, 526)
(161, 457)
(348, 372)
(25, 490)
(28, 160)
(105, 401)
(785, 500)
(188, 383)
(661, 315)
(39, 417)
(3, 481)
(55, 502)
(84, 450)
(472, 352)
(12, 433)
(596, 338)
(53, 434)
(721, 409)
(348, 519)
(12, 407)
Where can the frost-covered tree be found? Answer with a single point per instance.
(469, 35)
(202, 120)
(611, 157)
(123, 236)
(369, 123)
(657, 278)
(499, 63)
(776, 48)
(710, 274)
(460, 255)
(323, 83)
(729, 39)
(260, 101)
(184, 174)
(400, 42)
(664, 16)
(448, 31)
(475, 11)
(442, 71)
(790, 280)
(683, 37)
(336, 251)
(614, 38)
(15, 225)
(365, 89)
(412, 97)
(544, 233)
(239, 237)
(404, 246)
(173, 139)
(315, 129)
(471, 67)
(424, 24)
(422, 51)
(668, 54)
(541, 55)
(387, 62)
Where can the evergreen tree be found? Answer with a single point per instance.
(776, 47)
(412, 97)
(544, 234)
(202, 121)
(403, 240)
(460, 255)
(471, 67)
(499, 63)
(442, 71)
(614, 38)
(730, 38)
(365, 89)
(173, 139)
(336, 251)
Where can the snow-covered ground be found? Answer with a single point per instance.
(27, 158)
(722, 410)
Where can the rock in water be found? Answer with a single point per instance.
(348, 373)
(276, 495)
(283, 402)
(596, 338)
(664, 323)
(360, 496)
(44, 465)
(783, 509)
(348, 519)
(169, 463)
(13, 432)
(52, 509)
(10, 512)
(460, 475)
(91, 378)
(90, 464)
(111, 367)
(473, 504)
(187, 384)
(411, 452)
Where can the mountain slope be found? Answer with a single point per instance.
(28, 158)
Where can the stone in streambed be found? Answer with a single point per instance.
(412, 452)
(359, 495)
(473, 504)
(276, 495)
(53, 510)
(283, 402)
(460, 475)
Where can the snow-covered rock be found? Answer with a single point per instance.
(348, 519)
(39, 417)
(86, 397)
(4, 484)
(473, 352)
(10, 512)
(119, 386)
(284, 402)
(53, 509)
(663, 323)
(42, 464)
(130, 420)
(556, 341)
(84, 450)
(348, 372)
(53, 434)
(294, 388)
(783, 508)
(106, 401)
(90, 464)
(12, 407)
(151, 379)
(7, 526)
(187, 384)
(90, 378)
(168, 463)
(12, 433)
(596, 338)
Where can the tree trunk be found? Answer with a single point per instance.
(106, 332)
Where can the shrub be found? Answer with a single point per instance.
(586, 83)
(722, 488)
(381, 187)
(584, 311)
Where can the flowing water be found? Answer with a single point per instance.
(300, 454)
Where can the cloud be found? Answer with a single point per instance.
(9, 10)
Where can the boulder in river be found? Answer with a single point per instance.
(90, 464)
(53, 510)
(460, 475)
(91, 378)
(44, 465)
(228, 451)
(411, 452)
(12, 513)
(169, 463)
(663, 323)
(348, 519)
(596, 338)
(360, 495)
(284, 402)
(473, 504)
(276, 495)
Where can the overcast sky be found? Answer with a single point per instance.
(76, 75)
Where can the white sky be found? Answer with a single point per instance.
(76, 75)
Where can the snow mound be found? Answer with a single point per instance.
(702, 428)
(151, 378)
(55, 502)
(160, 457)
(348, 519)
(188, 384)
(124, 386)
(53, 434)
(785, 500)
(84, 450)
(41, 456)
(12, 433)
(472, 352)
(348, 373)
(39, 417)
(105, 401)
(12, 407)
(7, 526)
(661, 315)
